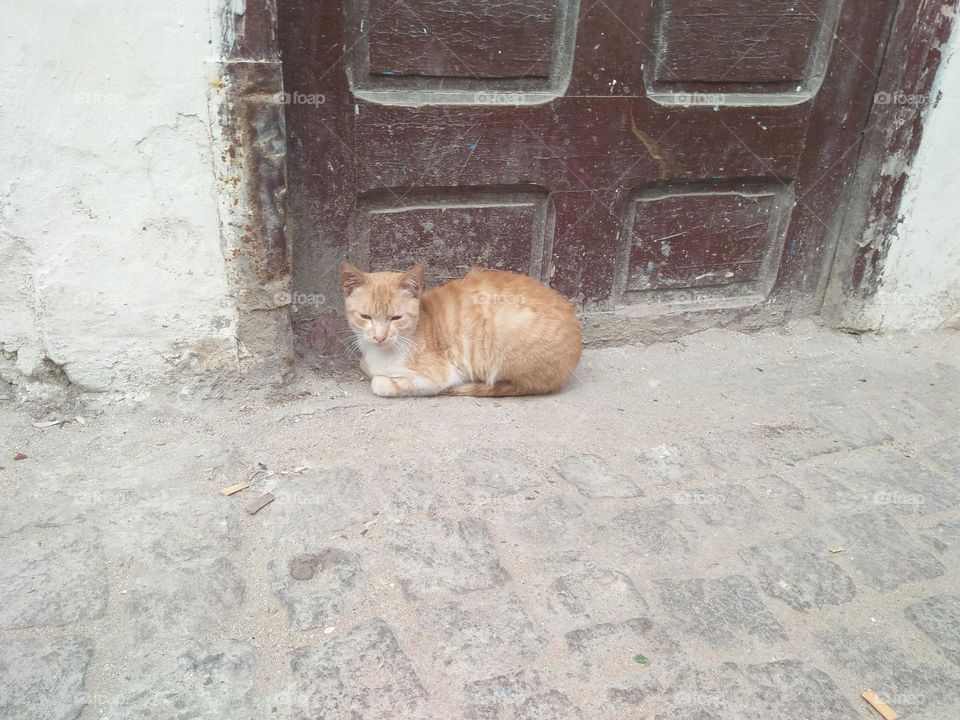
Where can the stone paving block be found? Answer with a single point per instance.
(548, 526)
(823, 493)
(190, 597)
(691, 461)
(595, 595)
(905, 416)
(174, 527)
(798, 575)
(316, 586)
(444, 557)
(53, 576)
(891, 481)
(695, 693)
(725, 612)
(641, 692)
(779, 690)
(611, 647)
(175, 462)
(881, 665)
(671, 464)
(786, 690)
(201, 680)
(939, 618)
(409, 488)
(495, 472)
(778, 493)
(736, 457)
(318, 503)
(655, 529)
(480, 633)
(523, 695)
(853, 426)
(38, 506)
(592, 478)
(880, 550)
(330, 501)
(363, 673)
(43, 679)
(947, 453)
(796, 441)
(726, 506)
(945, 540)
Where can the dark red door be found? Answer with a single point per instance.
(657, 161)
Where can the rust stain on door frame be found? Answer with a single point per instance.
(250, 163)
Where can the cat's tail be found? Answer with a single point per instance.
(503, 388)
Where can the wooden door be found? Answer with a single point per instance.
(665, 159)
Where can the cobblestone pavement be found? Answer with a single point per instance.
(729, 527)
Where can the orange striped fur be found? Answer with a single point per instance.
(490, 333)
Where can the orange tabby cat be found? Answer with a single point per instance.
(489, 334)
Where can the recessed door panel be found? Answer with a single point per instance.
(452, 229)
(459, 52)
(721, 240)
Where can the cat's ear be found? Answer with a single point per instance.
(350, 278)
(412, 280)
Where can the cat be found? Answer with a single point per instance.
(491, 333)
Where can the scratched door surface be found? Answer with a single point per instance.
(646, 158)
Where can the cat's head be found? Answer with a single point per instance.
(382, 306)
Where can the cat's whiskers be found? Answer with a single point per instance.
(354, 344)
(405, 345)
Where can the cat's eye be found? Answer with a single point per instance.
(397, 317)
(365, 317)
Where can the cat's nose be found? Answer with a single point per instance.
(380, 339)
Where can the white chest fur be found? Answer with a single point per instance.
(384, 361)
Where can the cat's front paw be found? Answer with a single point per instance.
(383, 386)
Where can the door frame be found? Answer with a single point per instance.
(892, 138)
(248, 131)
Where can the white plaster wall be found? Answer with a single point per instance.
(920, 286)
(110, 255)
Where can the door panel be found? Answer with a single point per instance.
(451, 229)
(738, 44)
(703, 242)
(466, 39)
(680, 155)
(459, 51)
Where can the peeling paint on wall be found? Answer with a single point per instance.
(109, 229)
(894, 266)
(920, 282)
